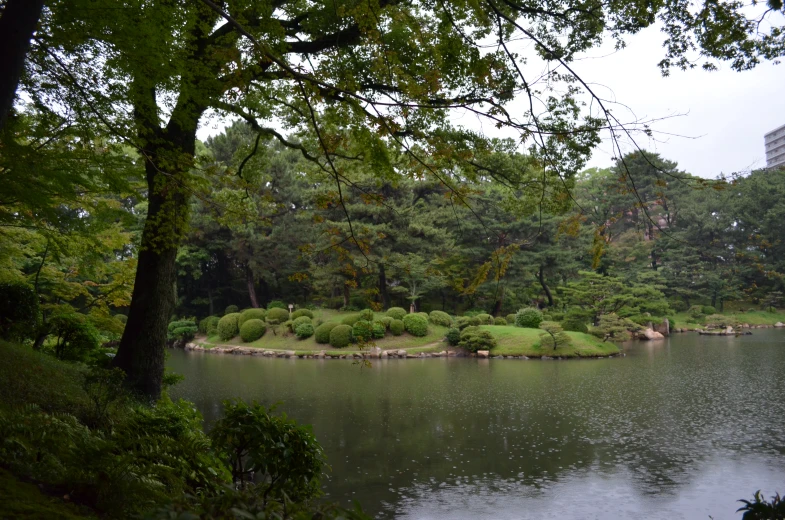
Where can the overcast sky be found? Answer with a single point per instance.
(724, 113)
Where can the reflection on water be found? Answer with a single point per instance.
(677, 429)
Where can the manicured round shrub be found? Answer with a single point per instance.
(304, 330)
(18, 311)
(122, 318)
(211, 329)
(557, 316)
(529, 318)
(302, 312)
(299, 321)
(378, 330)
(252, 329)
(462, 322)
(475, 321)
(386, 321)
(574, 325)
(510, 319)
(453, 336)
(322, 332)
(396, 327)
(499, 321)
(341, 336)
(485, 319)
(181, 330)
(227, 326)
(396, 313)
(415, 324)
(350, 319)
(440, 318)
(708, 309)
(278, 314)
(231, 309)
(366, 314)
(474, 339)
(251, 314)
(362, 330)
(277, 304)
(423, 314)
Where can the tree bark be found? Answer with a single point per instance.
(251, 287)
(541, 278)
(383, 287)
(17, 25)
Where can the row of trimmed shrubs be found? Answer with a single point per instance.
(251, 324)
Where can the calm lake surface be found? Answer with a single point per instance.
(680, 428)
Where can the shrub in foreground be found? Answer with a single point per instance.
(252, 330)
(251, 314)
(396, 313)
(440, 318)
(529, 318)
(415, 324)
(341, 336)
(227, 326)
(322, 332)
(396, 327)
(474, 339)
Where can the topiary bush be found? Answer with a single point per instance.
(304, 330)
(277, 304)
(462, 322)
(351, 319)
(212, 325)
(341, 336)
(322, 332)
(227, 326)
(181, 331)
(423, 314)
(510, 319)
(475, 321)
(378, 330)
(396, 327)
(300, 321)
(252, 329)
(415, 324)
(453, 336)
(529, 318)
(18, 311)
(251, 314)
(302, 312)
(362, 330)
(396, 313)
(231, 309)
(485, 319)
(499, 321)
(366, 314)
(575, 325)
(440, 318)
(708, 309)
(474, 339)
(386, 321)
(278, 314)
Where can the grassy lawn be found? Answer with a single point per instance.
(516, 341)
(679, 320)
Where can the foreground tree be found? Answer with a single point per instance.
(386, 73)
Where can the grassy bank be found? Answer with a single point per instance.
(516, 341)
(758, 317)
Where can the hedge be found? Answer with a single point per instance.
(227, 326)
(362, 330)
(302, 312)
(396, 327)
(304, 330)
(415, 324)
(231, 309)
(341, 336)
(251, 314)
(396, 313)
(278, 314)
(529, 318)
(322, 332)
(252, 330)
(440, 318)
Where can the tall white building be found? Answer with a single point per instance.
(775, 147)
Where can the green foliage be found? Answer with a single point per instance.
(485, 319)
(553, 335)
(464, 321)
(251, 314)
(362, 330)
(75, 337)
(386, 321)
(208, 323)
(351, 319)
(278, 314)
(322, 332)
(529, 318)
(423, 314)
(378, 330)
(575, 324)
(761, 509)
(717, 321)
(696, 312)
(708, 309)
(182, 331)
(453, 336)
(302, 312)
(473, 339)
(499, 321)
(366, 314)
(415, 324)
(510, 319)
(304, 330)
(397, 327)
(300, 321)
(278, 304)
(440, 318)
(122, 318)
(18, 311)
(231, 309)
(396, 313)
(227, 326)
(615, 328)
(341, 336)
(252, 330)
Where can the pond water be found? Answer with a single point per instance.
(680, 428)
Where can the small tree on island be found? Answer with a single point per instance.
(553, 336)
(613, 327)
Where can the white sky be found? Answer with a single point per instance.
(720, 117)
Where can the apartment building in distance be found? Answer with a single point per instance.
(774, 142)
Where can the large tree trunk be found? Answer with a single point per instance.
(383, 287)
(251, 287)
(541, 278)
(17, 25)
